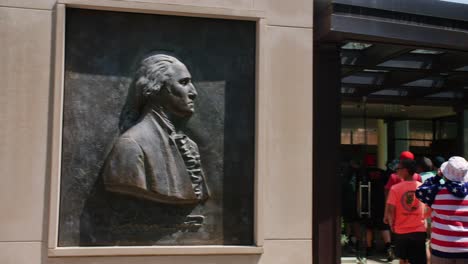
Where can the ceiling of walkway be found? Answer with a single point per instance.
(393, 74)
(395, 111)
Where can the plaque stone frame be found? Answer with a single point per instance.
(261, 116)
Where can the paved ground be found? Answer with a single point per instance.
(374, 260)
(378, 261)
(378, 257)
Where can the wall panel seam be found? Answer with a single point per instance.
(25, 241)
(288, 239)
(285, 26)
(26, 8)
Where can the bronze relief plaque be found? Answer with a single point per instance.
(158, 130)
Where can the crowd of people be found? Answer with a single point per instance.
(419, 205)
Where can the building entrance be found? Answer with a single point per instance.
(389, 75)
(411, 99)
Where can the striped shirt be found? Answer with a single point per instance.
(449, 238)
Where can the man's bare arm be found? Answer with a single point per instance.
(390, 215)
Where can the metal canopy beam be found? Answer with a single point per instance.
(371, 87)
(451, 61)
(348, 67)
(341, 27)
(448, 87)
(400, 100)
(412, 91)
(443, 65)
(374, 55)
(434, 8)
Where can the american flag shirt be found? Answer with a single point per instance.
(449, 203)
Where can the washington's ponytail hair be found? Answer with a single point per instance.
(150, 77)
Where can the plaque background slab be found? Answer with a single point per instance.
(102, 50)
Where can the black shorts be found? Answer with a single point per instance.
(376, 223)
(411, 246)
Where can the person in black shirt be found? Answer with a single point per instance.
(377, 178)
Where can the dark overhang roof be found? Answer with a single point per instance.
(428, 23)
(449, 9)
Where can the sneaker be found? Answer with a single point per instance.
(390, 254)
(351, 247)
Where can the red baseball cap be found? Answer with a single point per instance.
(369, 160)
(406, 155)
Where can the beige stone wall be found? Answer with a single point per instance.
(26, 37)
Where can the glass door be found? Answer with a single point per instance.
(356, 199)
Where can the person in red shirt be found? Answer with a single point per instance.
(394, 179)
(406, 216)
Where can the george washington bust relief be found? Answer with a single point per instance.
(152, 159)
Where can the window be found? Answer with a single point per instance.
(446, 129)
(353, 131)
(420, 133)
